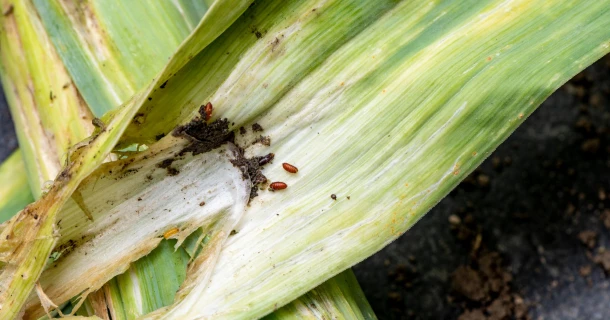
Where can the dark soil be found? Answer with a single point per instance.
(204, 136)
(251, 168)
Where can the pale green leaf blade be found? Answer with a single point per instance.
(14, 190)
(338, 298)
(158, 286)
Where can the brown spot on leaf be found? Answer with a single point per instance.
(138, 119)
(264, 140)
(257, 33)
(9, 10)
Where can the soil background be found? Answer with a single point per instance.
(523, 237)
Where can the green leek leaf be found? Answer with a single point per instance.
(114, 49)
(14, 188)
(39, 92)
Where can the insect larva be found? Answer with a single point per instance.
(170, 232)
(290, 168)
(278, 185)
(265, 159)
(208, 111)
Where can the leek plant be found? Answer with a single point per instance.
(385, 105)
(152, 281)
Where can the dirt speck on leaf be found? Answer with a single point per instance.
(264, 140)
(171, 171)
(166, 164)
(275, 43)
(257, 33)
(257, 127)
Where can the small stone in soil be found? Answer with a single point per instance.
(454, 220)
